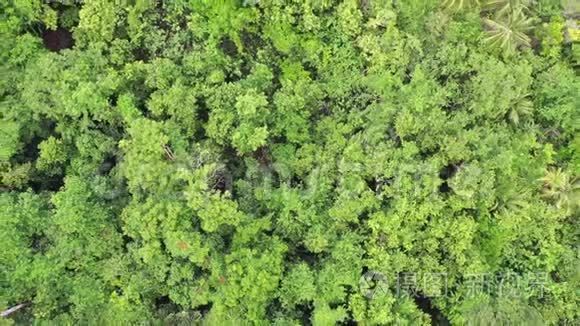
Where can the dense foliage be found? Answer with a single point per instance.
(289, 162)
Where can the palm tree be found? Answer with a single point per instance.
(458, 5)
(503, 311)
(508, 32)
(513, 201)
(563, 189)
(520, 107)
(500, 7)
(505, 7)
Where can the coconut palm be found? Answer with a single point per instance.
(513, 201)
(503, 311)
(499, 7)
(563, 189)
(508, 32)
(458, 5)
(505, 7)
(520, 107)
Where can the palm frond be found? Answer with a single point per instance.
(459, 5)
(562, 189)
(505, 7)
(520, 107)
(509, 32)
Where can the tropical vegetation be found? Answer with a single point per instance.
(312, 162)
